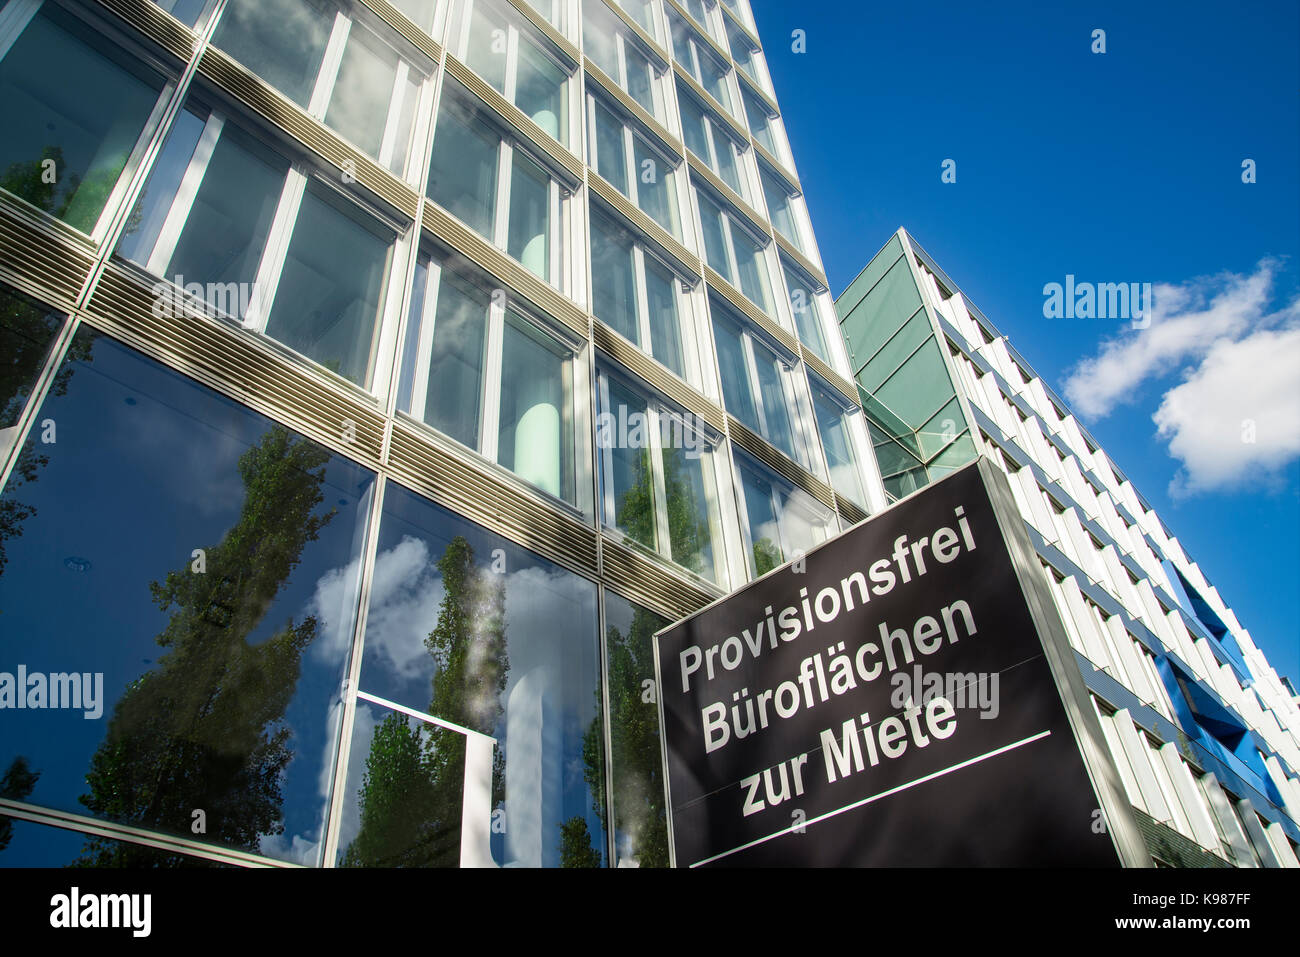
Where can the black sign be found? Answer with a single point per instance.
(885, 700)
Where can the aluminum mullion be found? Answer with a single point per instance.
(642, 303)
(606, 456)
(490, 407)
(277, 250)
(751, 376)
(629, 165)
(388, 144)
(350, 687)
(501, 222)
(728, 240)
(555, 235)
(170, 234)
(510, 81)
(329, 68)
(609, 816)
(122, 186)
(424, 344)
(654, 445)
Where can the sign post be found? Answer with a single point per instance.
(902, 695)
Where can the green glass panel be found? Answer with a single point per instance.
(889, 304)
(920, 386)
(894, 351)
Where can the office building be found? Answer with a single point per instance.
(379, 375)
(1204, 733)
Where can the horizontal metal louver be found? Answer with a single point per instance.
(270, 104)
(235, 362)
(660, 378)
(756, 446)
(416, 461)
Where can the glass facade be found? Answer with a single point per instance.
(321, 493)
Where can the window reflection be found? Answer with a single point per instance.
(476, 172)
(367, 94)
(637, 785)
(624, 156)
(779, 521)
(453, 378)
(208, 575)
(634, 293)
(69, 130)
(473, 630)
(658, 486)
(497, 44)
(205, 222)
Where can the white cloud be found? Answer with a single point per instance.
(1235, 414)
(1187, 321)
(1237, 417)
(405, 594)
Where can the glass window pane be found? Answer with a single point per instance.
(693, 124)
(611, 155)
(771, 375)
(691, 509)
(81, 120)
(27, 331)
(485, 51)
(807, 317)
(641, 12)
(713, 77)
(731, 366)
(330, 291)
(626, 469)
(410, 348)
(539, 89)
(221, 242)
(637, 798)
(282, 41)
(186, 11)
(419, 12)
(762, 530)
(840, 459)
(753, 269)
(599, 40)
(530, 201)
(759, 122)
(665, 321)
(363, 92)
(404, 803)
(715, 243)
(655, 193)
(456, 363)
(513, 654)
(613, 279)
(640, 78)
(463, 171)
(727, 166)
(778, 205)
(536, 427)
(146, 222)
(217, 686)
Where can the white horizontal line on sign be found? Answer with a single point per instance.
(876, 797)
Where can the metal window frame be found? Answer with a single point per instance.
(501, 311)
(656, 411)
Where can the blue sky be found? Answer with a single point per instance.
(1117, 167)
